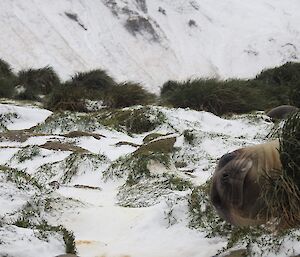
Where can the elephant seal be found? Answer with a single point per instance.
(281, 112)
(235, 191)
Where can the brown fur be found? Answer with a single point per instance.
(235, 189)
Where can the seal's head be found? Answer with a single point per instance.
(235, 191)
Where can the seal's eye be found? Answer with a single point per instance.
(226, 158)
(225, 177)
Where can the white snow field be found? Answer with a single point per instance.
(151, 41)
(108, 216)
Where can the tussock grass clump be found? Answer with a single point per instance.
(282, 188)
(97, 85)
(6, 87)
(281, 84)
(34, 83)
(7, 80)
(128, 94)
(92, 84)
(94, 79)
(5, 70)
(290, 147)
(288, 73)
(66, 98)
(272, 87)
(218, 97)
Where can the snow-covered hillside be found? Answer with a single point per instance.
(123, 188)
(151, 41)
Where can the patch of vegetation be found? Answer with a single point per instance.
(92, 82)
(73, 93)
(127, 94)
(66, 98)
(139, 168)
(137, 121)
(272, 87)
(290, 147)
(5, 70)
(143, 194)
(189, 137)
(96, 85)
(282, 187)
(26, 153)
(148, 193)
(218, 97)
(35, 83)
(135, 167)
(203, 216)
(281, 84)
(7, 87)
(22, 179)
(7, 80)
(64, 122)
(119, 168)
(44, 230)
(65, 170)
(6, 118)
(176, 183)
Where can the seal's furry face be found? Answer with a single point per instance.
(235, 189)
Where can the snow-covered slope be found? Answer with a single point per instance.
(150, 41)
(84, 171)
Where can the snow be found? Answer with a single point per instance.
(24, 118)
(229, 39)
(114, 231)
(23, 242)
(107, 145)
(102, 226)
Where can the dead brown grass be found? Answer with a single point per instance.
(73, 134)
(59, 146)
